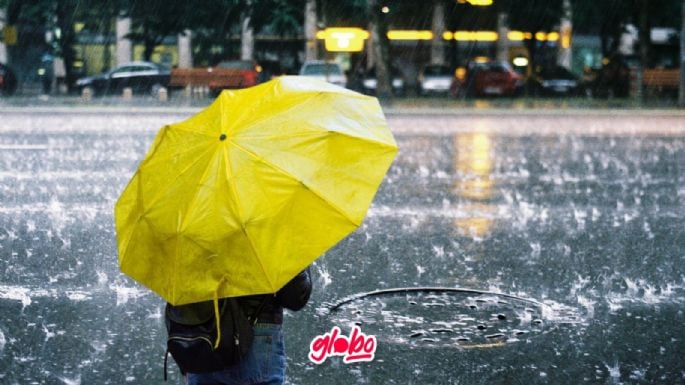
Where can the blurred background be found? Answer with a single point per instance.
(391, 48)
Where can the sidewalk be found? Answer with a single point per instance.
(398, 106)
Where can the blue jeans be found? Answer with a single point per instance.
(263, 365)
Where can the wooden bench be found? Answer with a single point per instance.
(208, 78)
(661, 78)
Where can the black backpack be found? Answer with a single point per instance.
(193, 333)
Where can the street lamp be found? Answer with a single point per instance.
(477, 3)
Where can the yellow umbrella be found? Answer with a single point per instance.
(244, 195)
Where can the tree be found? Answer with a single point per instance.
(154, 20)
(534, 16)
(98, 17)
(30, 20)
(381, 48)
(65, 15)
(608, 18)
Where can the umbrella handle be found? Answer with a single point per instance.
(217, 321)
(217, 313)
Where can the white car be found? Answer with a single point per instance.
(435, 79)
(327, 71)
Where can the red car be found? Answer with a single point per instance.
(493, 78)
(8, 81)
(235, 74)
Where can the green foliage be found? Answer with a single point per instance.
(216, 23)
(281, 17)
(154, 20)
(533, 15)
(350, 13)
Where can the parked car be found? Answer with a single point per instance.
(435, 79)
(8, 80)
(554, 81)
(270, 69)
(612, 79)
(370, 82)
(492, 78)
(248, 73)
(140, 76)
(327, 71)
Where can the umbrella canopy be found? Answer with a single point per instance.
(241, 197)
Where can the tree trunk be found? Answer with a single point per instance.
(502, 37)
(381, 48)
(566, 27)
(3, 49)
(644, 34)
(65, 21)
(311, 47)
(149, 43)
(124, 47)
(681, 93)
(247, 34)
(438, 27)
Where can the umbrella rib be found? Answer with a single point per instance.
(240, 214)
(284, 172)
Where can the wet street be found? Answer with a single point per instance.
(549, 246)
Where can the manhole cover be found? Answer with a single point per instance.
(437, 317)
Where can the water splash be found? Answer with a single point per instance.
(3, 342)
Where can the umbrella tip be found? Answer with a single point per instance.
(222, 137)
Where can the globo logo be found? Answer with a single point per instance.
(357, 347)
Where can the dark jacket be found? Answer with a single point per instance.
(293, 296)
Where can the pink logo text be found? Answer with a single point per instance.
(357, 347)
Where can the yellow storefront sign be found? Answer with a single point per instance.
(9, 35)
(343, 39)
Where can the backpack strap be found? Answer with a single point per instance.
(166, 360)
(255, 315)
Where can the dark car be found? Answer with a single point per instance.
(370, 83)
(270, 69)
(8, 81)
(554, 81)
(140, 76)
(612, 79)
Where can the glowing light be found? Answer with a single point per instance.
(410, 35)
(520, 61)
(385, 9)
(343, 39)
(477, 3)
(475, 36)
(515, 35)
(447, 35)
